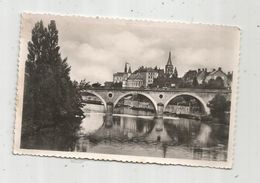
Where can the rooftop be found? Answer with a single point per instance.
(119, 74)
(135, 76)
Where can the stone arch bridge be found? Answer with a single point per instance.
(160, 98)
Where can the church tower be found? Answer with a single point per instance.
(169, 66)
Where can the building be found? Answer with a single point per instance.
(121, 77)
(189, 77)
(201, 75)
(159, 71)
(135, 80)
(146, 74)
(210, 79)
(150, 74)
(218, 74)
(108, 84)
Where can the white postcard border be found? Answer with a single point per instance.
(124, 158)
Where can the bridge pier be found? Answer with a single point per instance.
(160, 110)
(110, 108)
(108, 120)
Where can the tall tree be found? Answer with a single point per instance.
(175, 73)
(52, 102)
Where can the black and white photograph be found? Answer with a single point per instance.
(127, 90)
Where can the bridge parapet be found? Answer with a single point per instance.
(194, 90)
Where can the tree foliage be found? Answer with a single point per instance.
(83, 85)
(217, 83)
(52, 102)
(218, 105)
(175, 73)
(96, 85)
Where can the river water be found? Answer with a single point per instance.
(139, 133)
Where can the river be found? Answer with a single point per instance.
(139, 133)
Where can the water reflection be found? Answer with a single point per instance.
(146, 135)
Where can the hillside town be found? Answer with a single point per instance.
(148, 77)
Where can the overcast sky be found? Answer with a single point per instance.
(96, 48)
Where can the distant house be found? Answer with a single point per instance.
(189, 77)
(121, 77)
(218, 74)
(108, 84)
(135, 80)
(201, 76)
(210, 79)
(148, 75)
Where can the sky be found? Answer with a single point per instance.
(98, 47)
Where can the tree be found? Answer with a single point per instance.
(195, 82)
(175, 73)
(117, 85)
(52, 102)
(97, 84)
(218, 105)
(217, 83)
(83, 85)
(211, 84)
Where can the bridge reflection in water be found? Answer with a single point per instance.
(146, 135)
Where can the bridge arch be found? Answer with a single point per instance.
(204, 104)
(96, 94)
(132, 93)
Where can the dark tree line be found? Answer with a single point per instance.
(52, 102)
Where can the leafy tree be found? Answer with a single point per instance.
(218, 105)
(217, 83)
(211, 83)
(52, 102)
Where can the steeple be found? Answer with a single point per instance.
(169, 62)
(169, 66)
(126, 67)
